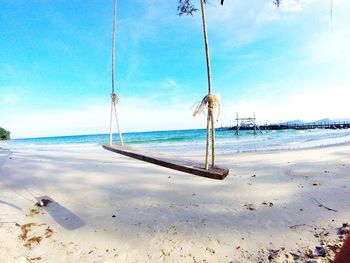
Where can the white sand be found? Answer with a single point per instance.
(167, 216)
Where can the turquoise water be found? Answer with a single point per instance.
(193, 141)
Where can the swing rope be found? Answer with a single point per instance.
(209, 101)
(114, 97)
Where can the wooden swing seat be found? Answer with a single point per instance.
(214, 172)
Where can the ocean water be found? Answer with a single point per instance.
(193, 141)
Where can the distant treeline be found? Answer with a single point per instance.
(4, 134)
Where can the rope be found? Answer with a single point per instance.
(206, 47)
(212, 138)
(207, 143)
(115, 101)
(208, 100)
(114, 97)
(207, 105)
(113, 42)
(210, 125)
(110, 125)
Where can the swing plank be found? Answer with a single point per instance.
(190, 167)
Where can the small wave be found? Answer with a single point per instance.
(194, 140)
(158, 140)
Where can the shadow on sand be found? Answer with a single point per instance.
(10, 204)
(62, 215)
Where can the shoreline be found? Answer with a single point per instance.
(191, 154)
(192, 142)
(291, 149)
(110, 208)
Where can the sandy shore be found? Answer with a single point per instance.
(109, 208)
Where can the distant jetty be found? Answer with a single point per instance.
(250, 124)
(286, 126)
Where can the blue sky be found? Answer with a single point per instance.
(287, 63)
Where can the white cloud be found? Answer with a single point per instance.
(135, 114)
(240, 23)
(294, 6)
(168, 83)
(10, 98)
(142, 114)
(330, 45)
(308, 104)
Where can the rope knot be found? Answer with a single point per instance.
(114, 97)
(208, 103)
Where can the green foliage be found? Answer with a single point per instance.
(185, 7)
(4, 135)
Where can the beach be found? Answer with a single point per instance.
(274, 206)
(251, 92)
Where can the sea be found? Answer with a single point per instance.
(193, 141)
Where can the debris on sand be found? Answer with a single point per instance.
(312, 261)
(344, 229)
(250, 207)
(335, 248)
(33, 259)
(25, 229)
(48, 232)
(36, 210)
(33, 212)
(33, 241)
(32, 234)
(321, 205)
(320, 251)
(210, 250)
(299, 225)
(275, 253)
(43, 202)
(270, 204)
(325, 251)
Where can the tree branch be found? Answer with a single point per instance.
(186, 7)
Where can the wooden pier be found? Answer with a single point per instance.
(304, 126)
(246, 122)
